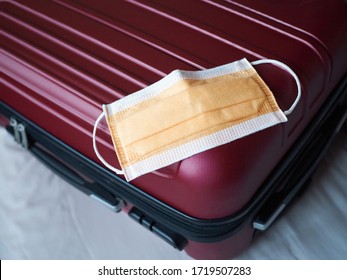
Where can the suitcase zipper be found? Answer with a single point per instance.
(190, 228)
(176, 222)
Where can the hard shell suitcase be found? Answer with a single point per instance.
(61, 60)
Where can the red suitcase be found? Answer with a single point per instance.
(62, 60)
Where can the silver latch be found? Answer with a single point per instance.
(264, 225)
(23, 136)
(19, 133)
(116, 206)
(14, 125)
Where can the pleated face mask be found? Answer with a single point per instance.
(188, 112)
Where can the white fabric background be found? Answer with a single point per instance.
(43, 217)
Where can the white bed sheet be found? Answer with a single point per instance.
(43, 217)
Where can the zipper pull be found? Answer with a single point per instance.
(23, 135)
(19, 133)
(14, 125)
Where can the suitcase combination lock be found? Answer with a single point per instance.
(19, 133)
(174, 239)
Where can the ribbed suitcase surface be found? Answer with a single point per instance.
(62, 60)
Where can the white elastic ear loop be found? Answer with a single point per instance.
(118, 171)
(285, 67)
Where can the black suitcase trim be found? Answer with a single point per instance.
(291, 175)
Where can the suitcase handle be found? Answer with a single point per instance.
(89, 187)
(275, 206)
(301, 176)
(58, 167)
(92, 189)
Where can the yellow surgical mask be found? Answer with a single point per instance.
(188, 112)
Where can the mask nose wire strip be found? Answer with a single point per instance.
(118, 171)
(290, 71)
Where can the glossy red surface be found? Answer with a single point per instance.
(62, 59)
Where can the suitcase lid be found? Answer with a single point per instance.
(61, 60)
